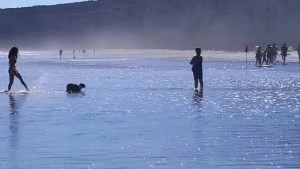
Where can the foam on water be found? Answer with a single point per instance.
(141, 112)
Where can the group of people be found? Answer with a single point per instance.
(13, 72)
(74, 51)
(269, 55)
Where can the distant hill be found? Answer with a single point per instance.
(174, 24)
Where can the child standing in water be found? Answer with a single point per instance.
(197, 69)
(12, 71)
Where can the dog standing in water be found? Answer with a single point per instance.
(74, 88)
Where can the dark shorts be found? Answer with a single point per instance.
(197, 75)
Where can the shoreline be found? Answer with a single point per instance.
(139, 53)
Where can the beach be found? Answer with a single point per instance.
(139, 110)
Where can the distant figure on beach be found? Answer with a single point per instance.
(284, 50)
(74, 54)
(12, 71)
(264, 57)
(258, 56)
(197, 69)
(74, 88)
(60, 53)
(298, 50)
(269, 54)
(275, 52)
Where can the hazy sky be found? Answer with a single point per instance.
(25, 3)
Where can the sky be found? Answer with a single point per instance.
(26, 3)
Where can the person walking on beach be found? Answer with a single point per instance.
(73, 54)
(298, 50)
(60, 53)
(12, 71)
(197, 69)
(284, 50)
(275, 52)
(269, 54)
(258, 56)
(264, 57)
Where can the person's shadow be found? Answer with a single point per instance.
(15, 103)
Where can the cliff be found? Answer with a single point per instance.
(174, 24)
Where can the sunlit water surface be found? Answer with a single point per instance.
(142, 112)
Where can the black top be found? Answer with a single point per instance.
(284, 50)
(270, 51)
(12, 61)
(197, 63)
(258, 53)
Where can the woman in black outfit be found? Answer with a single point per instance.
(12, 71)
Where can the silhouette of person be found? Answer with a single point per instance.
(269, 54)
(284, 50)
(298, 50)
(275, 52)
(12, 71)
(258, 56)
(73, 53)
(60, 53)
(197, 68)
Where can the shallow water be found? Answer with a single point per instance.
(142, 112)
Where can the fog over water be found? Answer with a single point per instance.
(172, 24)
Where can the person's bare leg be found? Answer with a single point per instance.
(22, 81)
(11, 81)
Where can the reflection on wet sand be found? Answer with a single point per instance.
(74, 95)
(198, 98)
(15, 102)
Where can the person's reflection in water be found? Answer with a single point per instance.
(198, 96)
(197, 104)
(14, 127)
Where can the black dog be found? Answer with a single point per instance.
(74, 88)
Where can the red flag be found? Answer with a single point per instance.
(246, 50)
